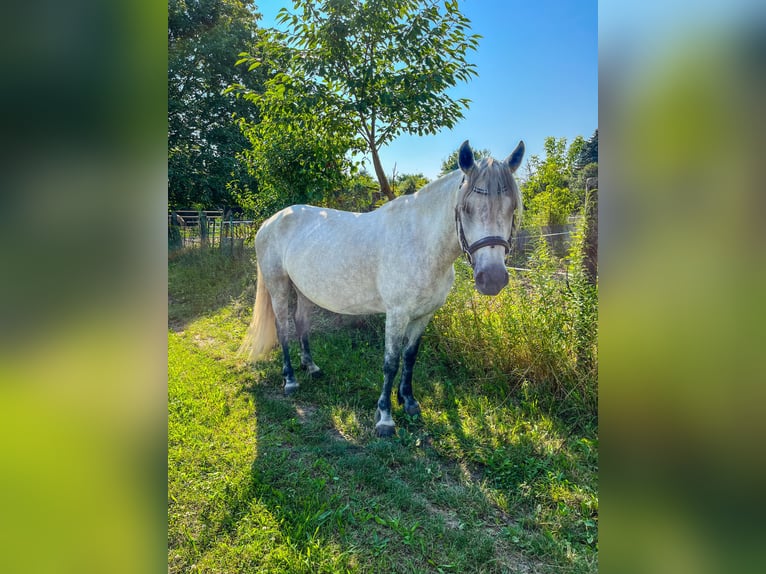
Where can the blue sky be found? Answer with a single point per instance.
(537, 67)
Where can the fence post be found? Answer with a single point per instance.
(202, 228)
(590, 241)
(175, 240)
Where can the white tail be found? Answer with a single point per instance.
(262, 334)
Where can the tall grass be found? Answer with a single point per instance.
(201, 280)
(538, 334)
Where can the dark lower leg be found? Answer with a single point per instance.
(404, 395)
(307, 362)
(291, 385)
(384, 423)
(302, 323)
(280, 291)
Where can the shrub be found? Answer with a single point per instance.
(539, 333)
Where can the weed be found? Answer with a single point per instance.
(537, 336)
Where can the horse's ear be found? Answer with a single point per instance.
(514, 160)
(465, 157)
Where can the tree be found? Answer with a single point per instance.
(382, 67)
(583, 161)
(406, 184)
(546, 194)
(450, 164)
(589, 152)
(588, 173)
(358, 194)
(297, 149)
(550, 172)
(204, 38)
(298, 161)
(574, 153)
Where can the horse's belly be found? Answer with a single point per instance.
(353, 307)
(339, 284)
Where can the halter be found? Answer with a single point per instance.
(469, 250)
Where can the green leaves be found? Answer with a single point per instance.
(547, 194)
(383, 75)
(204, 39)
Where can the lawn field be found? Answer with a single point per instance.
(493, 476)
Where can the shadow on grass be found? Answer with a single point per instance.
(345, 500)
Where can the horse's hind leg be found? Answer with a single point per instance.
(280, 294)
(302, 324)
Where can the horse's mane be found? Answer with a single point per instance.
(450, 181)
(443, 184)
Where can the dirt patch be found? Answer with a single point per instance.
(204, 342)
(449, 516)
(305, 412)
(175, 325)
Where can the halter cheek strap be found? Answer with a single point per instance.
(469, 250)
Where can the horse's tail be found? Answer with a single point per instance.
(262, 334)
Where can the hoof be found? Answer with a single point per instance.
(385, 431)
(313, 371)
(412, 409)
(291, 388)
(384, 426)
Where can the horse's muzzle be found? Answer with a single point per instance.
(491, 279)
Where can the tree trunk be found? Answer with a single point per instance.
(385, 189)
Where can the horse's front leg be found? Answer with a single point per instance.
(414, 333)
(405, 396)
(395, 328)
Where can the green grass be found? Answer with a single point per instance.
(536, 337)
(488, 479)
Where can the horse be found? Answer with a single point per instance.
(398, 260)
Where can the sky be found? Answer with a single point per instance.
(537, 65)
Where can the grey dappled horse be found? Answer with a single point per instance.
(396, 260)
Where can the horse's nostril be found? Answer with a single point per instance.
(490, 281)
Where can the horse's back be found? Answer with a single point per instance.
(306, 228)
(329, 255)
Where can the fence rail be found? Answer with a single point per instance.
(188, 228)
(209, 229)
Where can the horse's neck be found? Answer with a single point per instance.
(436, 213)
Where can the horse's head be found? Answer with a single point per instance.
(485, 215)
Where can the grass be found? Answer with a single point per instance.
(537, 335)
(488, 479)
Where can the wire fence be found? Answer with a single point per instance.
(190, 229)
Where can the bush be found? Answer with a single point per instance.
(538, 334)
(551, 207)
